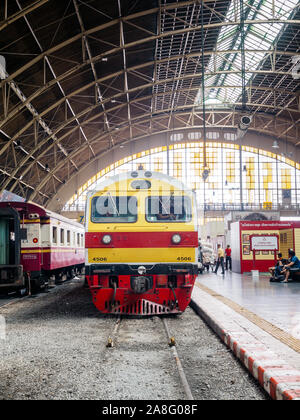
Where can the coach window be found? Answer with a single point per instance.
(54, 234)
(78, 239)
(62, 236)
(68, 237)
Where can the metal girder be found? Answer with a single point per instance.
(58, 84)
(162, 115)
(89, 120)
(162, 131)
(50, 51)
(122, 45)
(87, 45)
(106, 78)
(100, 80)
(18, 15)
(174, 84)
(20, 181)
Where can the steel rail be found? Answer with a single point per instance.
(172, 344)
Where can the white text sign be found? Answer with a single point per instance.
(264, 243)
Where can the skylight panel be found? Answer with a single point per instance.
(258, 37)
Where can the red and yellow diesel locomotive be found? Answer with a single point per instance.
(36, 244)
(141, 244)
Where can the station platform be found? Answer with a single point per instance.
(260, 322)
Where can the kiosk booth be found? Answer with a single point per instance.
(254, 243)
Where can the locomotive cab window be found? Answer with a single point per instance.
(161, 209)
(108, 209)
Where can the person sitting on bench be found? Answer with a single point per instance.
(292, 267)
(275, 271)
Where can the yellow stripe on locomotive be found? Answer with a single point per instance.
(157, 188)
(141, 232)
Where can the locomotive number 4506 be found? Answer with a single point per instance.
(184, 259)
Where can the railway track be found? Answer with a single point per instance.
(170, 347)
(172, 344)
(108, 358)
(9, 300)
(13, 298)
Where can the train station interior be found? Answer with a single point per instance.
(98, 97)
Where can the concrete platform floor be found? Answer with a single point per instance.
(275, 302)
(260, 322)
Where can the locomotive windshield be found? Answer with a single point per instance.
(109, 209)
(168, 209)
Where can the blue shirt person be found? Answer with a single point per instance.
(293, 266)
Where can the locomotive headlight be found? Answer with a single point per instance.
(142, 270)
(176, 239)
(106, 239)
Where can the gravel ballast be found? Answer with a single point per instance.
(55, 348)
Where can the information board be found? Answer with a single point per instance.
(264, 242)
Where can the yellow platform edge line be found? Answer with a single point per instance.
(271, 329)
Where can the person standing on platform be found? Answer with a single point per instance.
(220, 259)
(228, 258)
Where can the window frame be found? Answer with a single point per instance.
(169, 221)
(54, 236)
(62, 236)
(68, 237)
(116, 221)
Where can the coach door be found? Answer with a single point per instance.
(4, 241)
(9, 237)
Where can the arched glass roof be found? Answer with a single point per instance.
(79, 78)
(246, 177)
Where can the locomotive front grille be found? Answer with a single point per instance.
(142, 307)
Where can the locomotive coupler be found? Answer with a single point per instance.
(140, 284)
